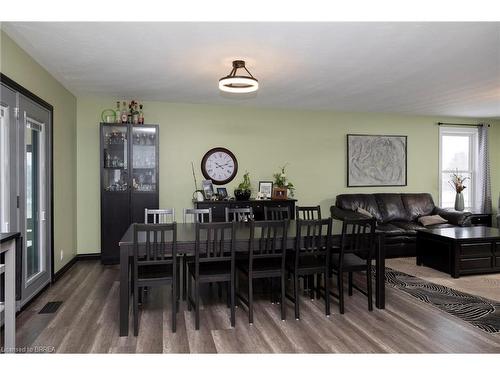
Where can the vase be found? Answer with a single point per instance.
(459, 202)
(242, 195)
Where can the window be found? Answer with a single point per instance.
(457, 154)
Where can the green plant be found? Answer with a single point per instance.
(281, 181)
(245, 185)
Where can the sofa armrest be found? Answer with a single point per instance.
(342, 214)
(454, 217)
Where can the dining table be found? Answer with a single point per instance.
(186, 234)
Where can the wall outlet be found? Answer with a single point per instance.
(62, 254)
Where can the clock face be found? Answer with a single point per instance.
(219, 165)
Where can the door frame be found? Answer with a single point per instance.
(27, 93)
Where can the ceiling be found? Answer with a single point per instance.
(443, 69)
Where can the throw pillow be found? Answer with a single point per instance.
(362, 211)
(431, 220)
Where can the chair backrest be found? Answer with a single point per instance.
(159, 216)
(155, 244)
(308, 213)
(276, 213)
(268, 240)
(198, 215)
(313, 237)
(214, 242)
(239, 214)
(358, 236)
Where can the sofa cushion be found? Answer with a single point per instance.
(391, 207)
(390, 228)
(418, 204)
(409, 226)
(353, 201)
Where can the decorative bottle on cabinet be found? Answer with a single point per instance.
(129, 181)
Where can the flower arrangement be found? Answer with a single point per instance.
(244, 189)
(457, 182)
(281, 181)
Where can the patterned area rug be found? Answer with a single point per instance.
(478, 311)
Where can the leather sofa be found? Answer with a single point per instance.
(397, 216)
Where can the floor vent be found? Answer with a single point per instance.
(50, 307)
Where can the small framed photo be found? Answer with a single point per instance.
(222, 192)
(266, 189)
(208, 189)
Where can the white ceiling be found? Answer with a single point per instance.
(411, 68)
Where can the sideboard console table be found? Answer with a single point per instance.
(8, 248)
(219, 207)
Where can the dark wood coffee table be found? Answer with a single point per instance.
(460, 251)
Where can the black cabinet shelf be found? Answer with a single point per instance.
(121, 203)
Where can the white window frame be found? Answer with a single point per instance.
(472, 133)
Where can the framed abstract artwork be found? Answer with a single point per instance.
(376, 160)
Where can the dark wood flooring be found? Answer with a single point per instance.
(87, 322)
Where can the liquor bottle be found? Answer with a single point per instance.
(124, 113)
(129, 114)
(135, 115)
(118, 113)
(141, 115)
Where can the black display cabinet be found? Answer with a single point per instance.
(129, 181)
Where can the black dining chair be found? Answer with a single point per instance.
(276, 213)
(266, 259)
(311, 257)
(308, 213)
(357, 249)
(239, 214)
(154, 263)
(214, 261)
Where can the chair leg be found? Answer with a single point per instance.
(174, 308)
(189, 294)
(184, 276)
(369, 288)
(197, 304)
(296, 296)
(228, 294)
(318, 286)
(233, 297)
(327, 293)
(340, 279)
(350, 283)
(250, 300)
(311, 286)
(136, 310)
(283, 297)
(219, 289)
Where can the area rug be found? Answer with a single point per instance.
(478, 311)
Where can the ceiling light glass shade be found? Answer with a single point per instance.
(236, 83)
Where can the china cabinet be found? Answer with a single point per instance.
(129, 181)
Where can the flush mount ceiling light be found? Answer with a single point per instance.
(235, 83)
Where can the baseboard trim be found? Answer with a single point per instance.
(71, 263)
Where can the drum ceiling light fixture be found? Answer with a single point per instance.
(240, 84)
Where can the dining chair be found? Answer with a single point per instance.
(308, 213)
(357, 248)
(197, 215)
(155, 263)
(159, 216)
(239, 214)
(311, 257)
(214, 261)
(266, 259)
(276, 213)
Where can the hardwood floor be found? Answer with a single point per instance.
(87, 322)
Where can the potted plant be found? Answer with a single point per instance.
(244, 189)
(281, 185)
(457, 182)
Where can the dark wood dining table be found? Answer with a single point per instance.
(186, 243)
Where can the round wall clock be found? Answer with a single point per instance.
(219, 165)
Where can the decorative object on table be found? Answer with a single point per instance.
(208, 189)
(108, 116)
(376, 160)
(219, 165)
(197, 194)
(260, 196)
(238, 84)
(266, 189)
(281, 185)
(244, 189)
(222, 193)
(457, 183)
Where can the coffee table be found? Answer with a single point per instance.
(460, 250)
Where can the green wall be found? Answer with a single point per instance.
(312, 142)
(19, 66)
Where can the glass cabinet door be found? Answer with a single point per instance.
(115, 150)
(144, 159)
